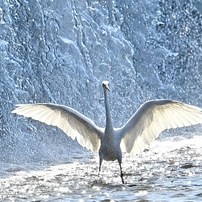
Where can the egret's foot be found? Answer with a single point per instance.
(122, 178)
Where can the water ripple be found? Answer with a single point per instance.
(172, 174)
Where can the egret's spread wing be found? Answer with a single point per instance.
(152, 118)
(69, 120)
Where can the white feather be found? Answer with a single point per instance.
(152, 118)
(69, 120)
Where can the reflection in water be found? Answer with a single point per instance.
(169, 171)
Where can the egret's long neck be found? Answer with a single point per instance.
(108, 115)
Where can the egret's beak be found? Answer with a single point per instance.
(107, 87)
(105, 84)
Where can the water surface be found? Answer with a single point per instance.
(170, 171)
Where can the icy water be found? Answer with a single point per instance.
(170, 171)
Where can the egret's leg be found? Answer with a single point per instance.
(100, 163)
(121, 172)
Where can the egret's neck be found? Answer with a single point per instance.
(108, 115)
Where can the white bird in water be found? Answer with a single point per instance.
(140, 130)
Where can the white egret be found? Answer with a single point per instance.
(140, 130)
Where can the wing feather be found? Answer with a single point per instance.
(73, 123)
(152, 118)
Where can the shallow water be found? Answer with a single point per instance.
(170, 171)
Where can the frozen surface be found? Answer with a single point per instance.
(60, 51)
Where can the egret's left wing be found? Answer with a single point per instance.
(73, 123)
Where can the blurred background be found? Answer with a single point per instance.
(61, 51)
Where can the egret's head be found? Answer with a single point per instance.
(105, 85)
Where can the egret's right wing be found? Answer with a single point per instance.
(152, 118)
(73, 123)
